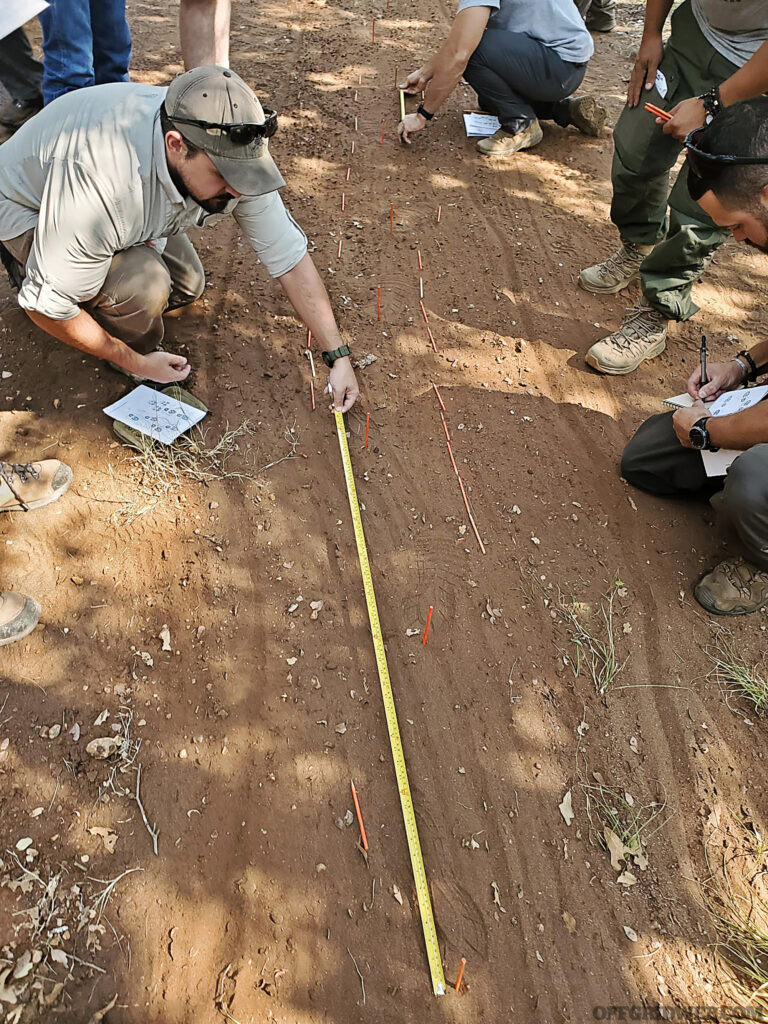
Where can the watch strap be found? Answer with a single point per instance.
(329, 358)
(424, 113)
(753, 374)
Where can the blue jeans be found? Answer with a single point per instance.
(85, 42)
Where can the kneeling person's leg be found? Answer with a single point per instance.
(186, 270)
(745, 503)
(655, 461)
(133, 298)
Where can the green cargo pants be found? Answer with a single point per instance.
(686, 238)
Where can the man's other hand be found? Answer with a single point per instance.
(684, 419)
(686, 117)
(164, 367)
(343, 384)
(416, 81)
(646, 65)
(722, 377)
(411, 123)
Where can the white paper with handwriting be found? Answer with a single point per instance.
(717, 463)
(153, 413)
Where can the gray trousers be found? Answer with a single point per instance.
(140, 286)
(655, 461)
(600, 15)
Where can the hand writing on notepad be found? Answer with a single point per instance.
(722, 377)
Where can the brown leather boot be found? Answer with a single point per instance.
(734, 587)
(19, 615)
(29, 485)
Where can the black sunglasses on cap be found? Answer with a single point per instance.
(242, 133)
(702, 163)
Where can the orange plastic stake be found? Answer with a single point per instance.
(424, 312)
(382, 134)
(439, 211)
(462, 965)
(355, 122)
(421, 265)
(338, 254)
(359, 816)
(360, 78)
(367, 425)
(438, 397)
(355, 95)
(391, 217)
(373, 30)
(309, 339)
(343, 200)
(426, 629)
(312, 393)
(378, 302)
(395, 77)
(349, 171)
(353, 147)
(431, 339)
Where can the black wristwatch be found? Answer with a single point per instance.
(712, 102)
(424, 113)
(699, 437)
(329, 358)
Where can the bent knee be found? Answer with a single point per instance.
(746, 483)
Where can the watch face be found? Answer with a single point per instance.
(698, 437)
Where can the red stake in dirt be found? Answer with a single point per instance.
(355, 95)
(338, 254)
(367, 425)
(421, 265)
(395, 77)
(439, 211)
(359, 817)
(462, 965)
(391, 218)
(378, 302)
(309, 339)
(426, 629)
(343, 200)
(382, 134)
(312, 393)
(373, 30)
(349, 171)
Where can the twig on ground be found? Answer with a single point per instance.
(153, 830)
(100, 903)
(292, 438)
(362, 982)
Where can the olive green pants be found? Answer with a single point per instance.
(643, 208)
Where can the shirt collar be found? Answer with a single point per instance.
(161, 164)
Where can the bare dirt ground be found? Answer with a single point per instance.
(253, 723)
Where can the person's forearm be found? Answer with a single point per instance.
(450, 62)
(749, 81)
(83, 333)
(656, 12)
(306, 292)
(741, 430)
(445, 79)
(759, 354)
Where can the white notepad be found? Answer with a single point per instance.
(480, 126)
(153, 413)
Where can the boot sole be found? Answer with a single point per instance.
(514, 152)
(702, 598)
(41, 502)
(613, 371)
(30, 626)
(609, 290)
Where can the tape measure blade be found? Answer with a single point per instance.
(398, 756)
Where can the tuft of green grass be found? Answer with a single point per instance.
(738, 680)
(594, 640)
(634, 822)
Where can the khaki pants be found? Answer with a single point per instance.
(141, 284)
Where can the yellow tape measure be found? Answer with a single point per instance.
(409, 817)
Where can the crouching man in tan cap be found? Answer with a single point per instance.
(98, 190)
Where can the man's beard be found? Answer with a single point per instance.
(216, 204)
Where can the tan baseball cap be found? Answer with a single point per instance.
(218, 96)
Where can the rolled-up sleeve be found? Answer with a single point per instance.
(79, 229)
(275, 236)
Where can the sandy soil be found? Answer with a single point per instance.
(252, 725)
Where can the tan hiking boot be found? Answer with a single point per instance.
(586, 114)
(734, 587)
(642, 335)
(616, 272)
(29, 485)
(19, 615)
(505, 143)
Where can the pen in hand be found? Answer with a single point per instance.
(703, 358)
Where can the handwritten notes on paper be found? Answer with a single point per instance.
(480, 126)
(153, 413)
(717, 463)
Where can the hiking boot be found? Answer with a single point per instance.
(616, 272)
(24, 486)
(19, 615)
(586, 114)
(13, 268)
(504, 143)
(734, 587)
(642, 335)
(16, 112)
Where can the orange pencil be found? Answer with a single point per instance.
(658, 112)
(367, 425)
(426, 630)
(359, 817)
(462, 965)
